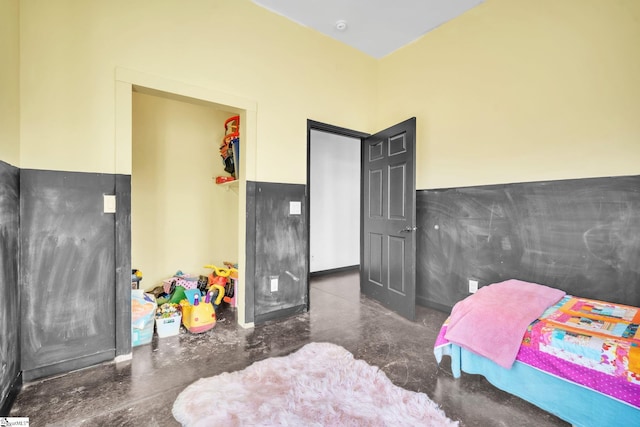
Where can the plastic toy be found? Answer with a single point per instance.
(224, 179)
(230, 144)
(203, 283)
(220, 278)
(136, 277)
(178, 295)
(167, 310)
(198, 318)
(187, 281)
(226, 278)
(230, 291)
(198, 312)
(220, 294)
(191, 295)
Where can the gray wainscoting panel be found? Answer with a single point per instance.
(67, 271)
(280, 251)
(581, 236)
(250, 254)
(123, 264)
(9, 294)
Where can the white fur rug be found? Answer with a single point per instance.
(319, 385)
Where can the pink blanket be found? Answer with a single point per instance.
(493, 321)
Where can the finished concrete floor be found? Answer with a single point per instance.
(141, 391)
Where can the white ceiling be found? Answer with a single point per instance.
(376, 27)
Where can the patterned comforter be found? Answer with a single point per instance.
(591, 343)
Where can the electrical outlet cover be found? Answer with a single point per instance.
(473, 286)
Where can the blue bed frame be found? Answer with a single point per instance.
(573, 403)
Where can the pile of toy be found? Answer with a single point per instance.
(195, 298)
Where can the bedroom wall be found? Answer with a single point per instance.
(10, 369)
(231, 46)
(515, 91)
(277, 244)
(511, 83)
(581, 236)
(505, 88)
(10, 301)
(10, 82)
(67, 272)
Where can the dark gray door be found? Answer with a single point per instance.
(389, 209)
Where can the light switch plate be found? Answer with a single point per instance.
(295, 208)
(109, 203)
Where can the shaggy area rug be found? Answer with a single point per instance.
(319, 385)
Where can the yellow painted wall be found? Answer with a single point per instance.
(516, 90)
(181, 220)
(10, 82)
(71, 49)
(510, 91)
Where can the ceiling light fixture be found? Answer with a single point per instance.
(341, 25)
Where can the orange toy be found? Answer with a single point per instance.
(224, 277)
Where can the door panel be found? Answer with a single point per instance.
(375, 151)
(375, 194)
(396, 263)
(375, 258)
(397, 176)
(388, 265)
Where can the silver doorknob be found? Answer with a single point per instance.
(408, 229)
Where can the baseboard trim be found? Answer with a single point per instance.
(424, 302)
(69, 365)
(280, 314)
(123, 358)
(336, 270)
(14, 390)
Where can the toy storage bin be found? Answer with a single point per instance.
(168, 326)
(142, 336)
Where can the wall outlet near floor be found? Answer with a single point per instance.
(473, 286)
(274, 283)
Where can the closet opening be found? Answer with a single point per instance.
(154, 232)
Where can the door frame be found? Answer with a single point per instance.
(125, 81)
(337, 130)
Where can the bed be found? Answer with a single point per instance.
(574, 357)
